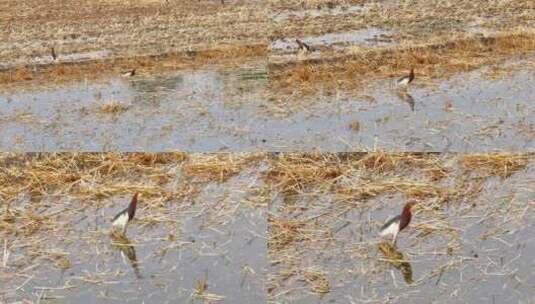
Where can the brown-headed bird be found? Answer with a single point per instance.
(405, 80)
(122, 219)
(53, 53)
(394, 225)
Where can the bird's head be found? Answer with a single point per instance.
(409, 205)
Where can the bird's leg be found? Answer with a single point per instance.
(394, 239)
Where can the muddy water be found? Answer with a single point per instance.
(286, 50)
(480, 250)
(189, 109)
(364, 36)
(216, 237)
(231, 110)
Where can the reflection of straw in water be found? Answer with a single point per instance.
(112, 107)
(246, 271)
(318, 280)
(200, 291)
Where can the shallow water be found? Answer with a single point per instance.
(481, 251)
(213, 110)
(366, 36)
(215, 237)
(189, 109)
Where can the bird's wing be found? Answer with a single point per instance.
(389, 222)
(119, 214)
(403, 78)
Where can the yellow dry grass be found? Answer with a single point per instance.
(497, 164)
(112, 107)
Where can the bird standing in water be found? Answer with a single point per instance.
(394, 225)
(405, 80)
(121, 220)
(129, 73)
(303, 47)
(53, 53)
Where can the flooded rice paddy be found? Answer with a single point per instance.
(325, 248)
(216, 240)
(281, 228)
(236, 110)
(298, 221)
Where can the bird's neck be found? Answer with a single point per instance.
(405, 217)
(132, 208)
(406, 212)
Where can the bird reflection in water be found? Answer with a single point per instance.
(120, 242)
(396, 258)
(406, 97)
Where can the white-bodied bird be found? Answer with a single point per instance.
(129, 73)
(121, 220)
(405, 80)
(394, 225)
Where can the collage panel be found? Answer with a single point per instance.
(132, 76)
(132, 227)
(205, 109)
(402, 228)
(412, 76)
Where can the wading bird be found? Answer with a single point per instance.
(394, 225)
(121, 220)
(405, 80)
(129, 73)
(303, 47)
(53, 53)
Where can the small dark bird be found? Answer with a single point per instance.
(394, 225)
(129, 73)
(53, 53)
(405, 80)
(303, 47)
(121, 220)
